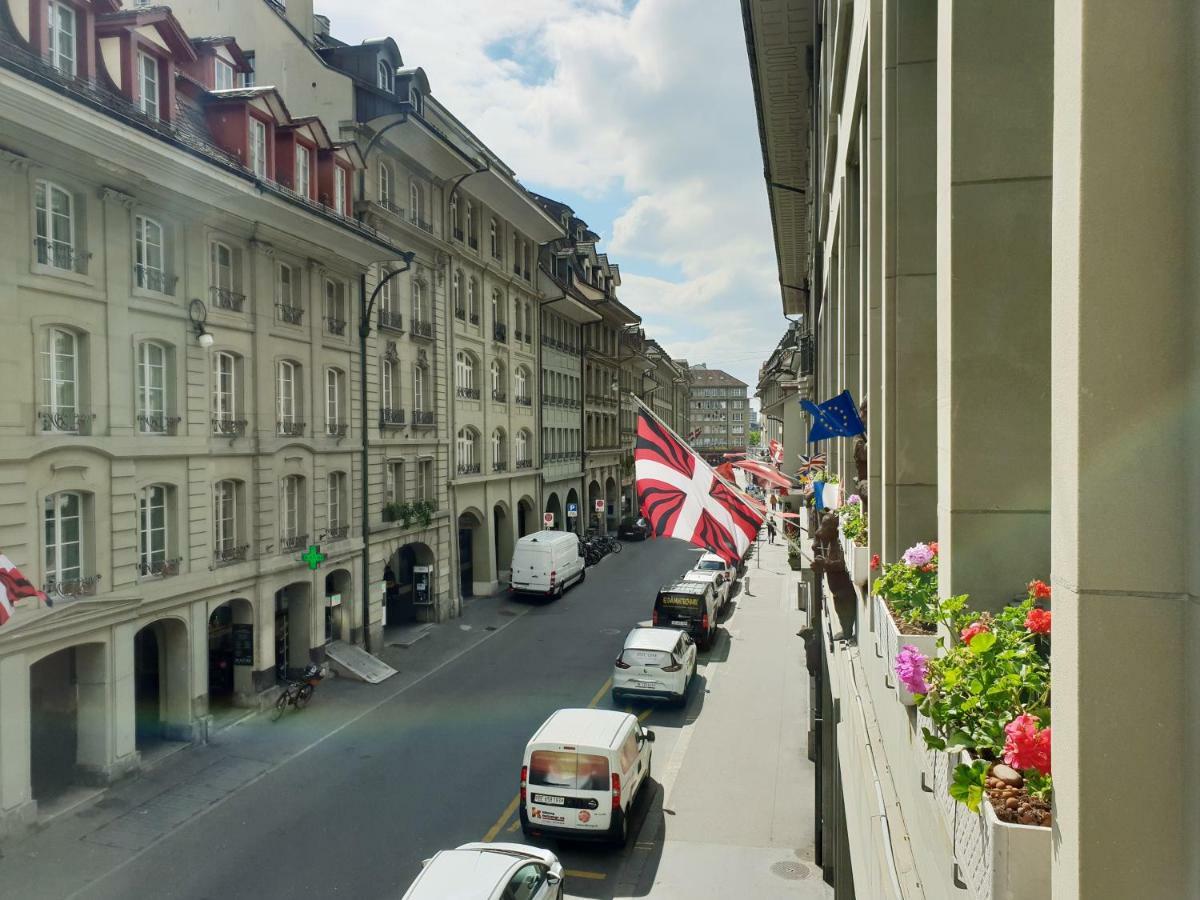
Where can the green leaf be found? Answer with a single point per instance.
(969, 783)
(982, 642)
(932, 741)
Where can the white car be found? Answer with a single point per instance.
(489, 872)
(655, 663)
(720, 582)
(710, 562)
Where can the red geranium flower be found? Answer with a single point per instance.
(1038, 621)
(1039, 590)
(874, 561)
(933, 546)
(1025, 747)
(971, 630)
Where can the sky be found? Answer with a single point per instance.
(637, 113)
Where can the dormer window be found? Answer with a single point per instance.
(386, 78)
(303, 171)
(414, 97)
(339, 190)
(258, 147)
(62, 38)
(223, 77)
(148, 84)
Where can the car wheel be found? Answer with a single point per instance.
(620, 829)
(582, 574)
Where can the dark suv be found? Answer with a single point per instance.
(632, 529)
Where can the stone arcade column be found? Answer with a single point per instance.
(17, 808)
(1126, 400)
(906, 444)
(994, 105)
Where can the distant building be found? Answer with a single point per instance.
(719, 412)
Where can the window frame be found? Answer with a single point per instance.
(228, 411)
(56, 573)
(144, 389)
(223, 542)
(385, 78)
(258, 153)
(287, 401)
(339, 189)
(334, 386)
(142, 225)
(147, 557)
(464, 370)
(215, 246)
(56, 32)
(47, 220)
(335, 487)
(290, 497)
(220, 66)
(149, 99)
(303, 187)
(51, 382)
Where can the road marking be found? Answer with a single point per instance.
(578, 873)
(514, 826)
(644, 715)
(516, 800)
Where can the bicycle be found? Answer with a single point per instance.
(297, 693)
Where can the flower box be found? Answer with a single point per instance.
(999, 861)
(893, 641)
(938, 766)
(858, 562)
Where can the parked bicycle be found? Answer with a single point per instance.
(297, 693)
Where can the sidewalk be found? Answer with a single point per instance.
(735, 816)
(113, 826)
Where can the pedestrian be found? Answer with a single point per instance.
(770, 531)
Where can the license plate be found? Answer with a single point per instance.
(682, 623)
(645, 684)
(547, 800)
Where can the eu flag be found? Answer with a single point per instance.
(834, 418)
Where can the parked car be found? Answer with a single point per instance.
(490, 872)
(719, 580)
(655, 663)
(710, 562)
(547, 563)
(632, 529)
(581, 773)
(691, 606)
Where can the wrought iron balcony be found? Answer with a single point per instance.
(337, 429)
(289, 543)
(225, 298)
(467, 393)
(518, 335)
(84, 586)
(228, 426)
(424, 418)
(337, 532)
(393, 321)
(458, 234)
(516, 268)
(499, 396)
(496, 254)
(230, 553)
(335, 325)
(157, 423)
(60, 255)
(155, 280)
(392, 208)
(500, 466)
(525, 275)
(524, 463)
(291, 428)
(473, 243)
(524, 401)
(422, 330)
(391, 418)
(468, 468)
(474, 318)
(460, 313)
(293, 315)
(159, 568)
(65, 421)
(500, 332)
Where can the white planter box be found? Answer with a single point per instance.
(938, 766)
(926, 643)
(999, 861)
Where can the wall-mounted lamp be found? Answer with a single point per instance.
(199, 315)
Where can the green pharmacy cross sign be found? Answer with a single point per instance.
(314, 557)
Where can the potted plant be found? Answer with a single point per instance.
(424, 510)
(852, 522)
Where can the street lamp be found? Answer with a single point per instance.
(198, 314)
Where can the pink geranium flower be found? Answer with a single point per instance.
(911, 668)
(1025, 747)
(971, 630)
(918, 555)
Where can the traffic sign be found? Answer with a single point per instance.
(548, 519)
(572, 510)
(599, 506)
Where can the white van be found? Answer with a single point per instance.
(547, 563)
(581, 774)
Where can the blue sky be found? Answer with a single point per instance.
(637, 113)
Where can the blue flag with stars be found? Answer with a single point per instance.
(834, 418)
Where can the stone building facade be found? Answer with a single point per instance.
(720, 413)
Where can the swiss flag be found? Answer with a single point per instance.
(13, 587)
(776, 452)
(683, 499)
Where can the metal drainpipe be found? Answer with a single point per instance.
(364, 328)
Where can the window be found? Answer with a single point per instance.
(248, 75)
(258, 148)
(522, 446)
(420, 310)
(385, 77)
(455, 224)
(473, 301)
(495, 235)
(225, 531)
(567, 769)
(287, 396)
(466, 451)
(416, 207)
(333, 400)
(521, 383)
(288, 287)
(425, 489)
(149, 250)
(60, 380)
(148, 84)
(471, 225)
(290, 517)
(335, 307)
(389, 384)
(152, 530)
(526, 882)
(223, 79)
(419, 389)
(497, 380)
(222, 267)
(499, 454)
(336, 502)
(456, 294)
(339, 190)
(64, 539)
(62, 38)
(464, 372)
(497, 308)
(303, 170)
(55, 209)
(385, 185)
(225, 388)
(152, 388)
(394, 482)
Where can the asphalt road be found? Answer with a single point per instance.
(435, 766)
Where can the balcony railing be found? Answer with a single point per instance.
(338, 532)
(499, 396)
(228, 426)
(230, 553)
(157, 423)
(518, 335)
(65, 421)
(335, 325)
(467, 393)
(393, 321)
(293, 315)
(516, 268)
(420, 223)
(423, 330)
(524, 463)
(473, 243)
(393, 208)
(500, 332)
(525, 275)
(84, 586)
(60, 256)
(460, 313)
(226, 298)
(500, 466)
(458, 234)
(337, 429)
(468, 468)
(601, 400)
(159, 568)
(155, 280)
(289, 543)
(391, 418)
(496, 254)
(474, 317)
(291, 428)
(424, 418)
(524, 401)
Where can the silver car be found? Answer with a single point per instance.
(489, 872)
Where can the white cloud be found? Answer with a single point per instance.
(652, 104)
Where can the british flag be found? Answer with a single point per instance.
(683, 499)
(811, 464)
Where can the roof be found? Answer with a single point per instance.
(684, 587)
(708, 575)
(462, 875)
(714, 377)
(585, 727)
(653, 638)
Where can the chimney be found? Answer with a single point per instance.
(300, 14)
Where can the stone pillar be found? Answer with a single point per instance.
(906, 442)
(1126, 411)
(124, 699)
(17, 808)
(994, 107)
(873, 237)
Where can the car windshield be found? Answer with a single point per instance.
(711, 565)
(565, 769)
(634, 657)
